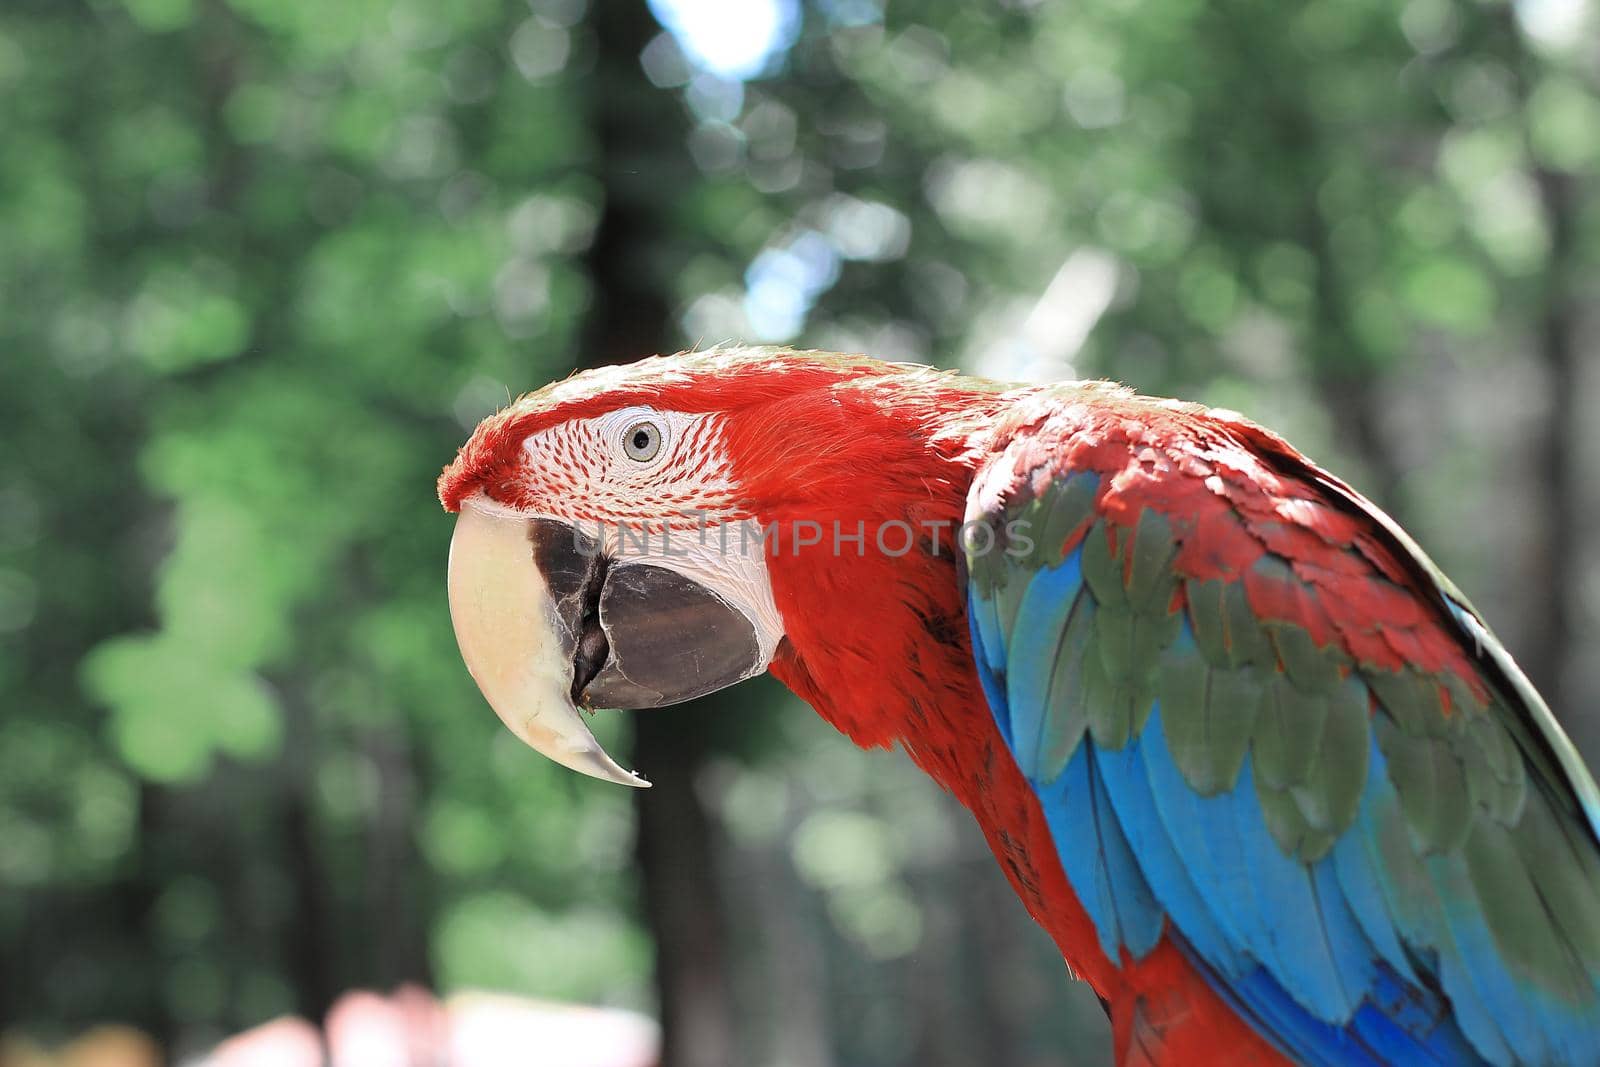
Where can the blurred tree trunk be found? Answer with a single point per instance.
(1552, 553)
(1549, 641)
(796, 970)
(643, 164)
(1349, 380)
(399, 944)
(681, 897)
(1002, 1001)
(949, 1023)
(311, 953)
(136, 896)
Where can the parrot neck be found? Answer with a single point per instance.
(876, 636)
(879, 645)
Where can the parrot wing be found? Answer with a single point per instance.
(1260, 723)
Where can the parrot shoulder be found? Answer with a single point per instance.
(1262, 723)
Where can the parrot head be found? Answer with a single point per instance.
(638, 536)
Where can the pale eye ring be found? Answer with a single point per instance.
(641, 441)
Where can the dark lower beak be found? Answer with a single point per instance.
(548, 624)
(639, 635)
(667, 638)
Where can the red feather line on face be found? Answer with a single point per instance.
(717, 380)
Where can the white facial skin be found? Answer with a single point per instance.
(654, 487)
(657, 487)
(592, 469)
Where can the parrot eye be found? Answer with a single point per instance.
(642, 441)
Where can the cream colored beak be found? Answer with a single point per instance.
(516, 644)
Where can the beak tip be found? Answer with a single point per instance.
(596, 763)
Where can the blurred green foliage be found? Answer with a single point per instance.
(266, 262)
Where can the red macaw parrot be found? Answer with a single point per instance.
(1253, 762)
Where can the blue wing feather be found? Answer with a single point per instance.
(1128, 786)
(986, 641)
(1480, 963)
(1095, 853)
(1047, 605)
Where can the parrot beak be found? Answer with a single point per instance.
(548, 623)
(518, 638)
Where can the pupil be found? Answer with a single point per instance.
(641, 440)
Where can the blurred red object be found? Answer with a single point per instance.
(412, 1029)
